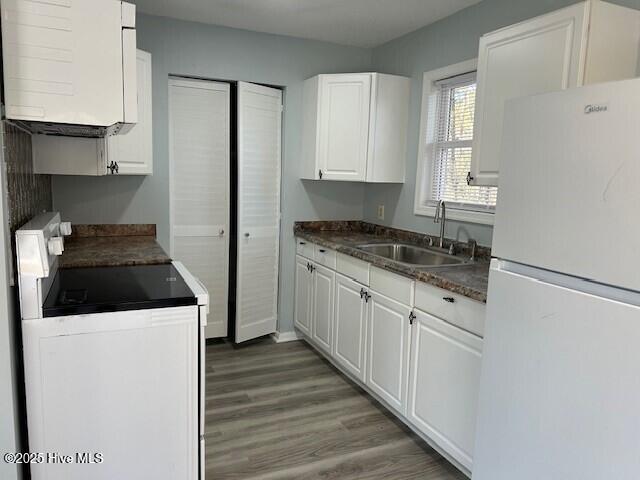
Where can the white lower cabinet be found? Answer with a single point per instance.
(388, 349)
(425, 369)
(314, 307)
(443, 385)
(350, 326)
(322, 316)
(303, 292)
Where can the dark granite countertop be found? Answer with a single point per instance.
(468, 280)
(112, 246)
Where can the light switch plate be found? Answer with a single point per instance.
(380, 212)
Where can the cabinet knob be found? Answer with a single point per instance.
(221, 232)
(247, 235)
(65, 228)
(55, 246)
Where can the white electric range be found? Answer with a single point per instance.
(114, 364)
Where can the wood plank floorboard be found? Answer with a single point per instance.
(280, 412)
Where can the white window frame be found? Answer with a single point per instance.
(425, 163)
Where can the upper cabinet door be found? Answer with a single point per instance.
(343, 137)
(133, 151)
(537, 56)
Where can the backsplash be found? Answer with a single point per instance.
(27, 193)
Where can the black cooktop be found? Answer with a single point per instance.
(77, 291)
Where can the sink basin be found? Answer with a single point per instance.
(411, 255)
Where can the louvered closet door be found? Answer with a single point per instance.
(259, 131)
(200, 155)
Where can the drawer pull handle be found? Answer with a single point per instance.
(449, 299)
(303, 243)
(322, 250)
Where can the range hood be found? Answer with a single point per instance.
(70, 66)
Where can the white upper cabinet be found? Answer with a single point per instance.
(343, 130)
(129, 153)
(133, 151)
(589, 42)
(69, 66)
(355, 127)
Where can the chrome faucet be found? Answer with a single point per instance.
(441, 218)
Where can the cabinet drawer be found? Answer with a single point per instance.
(304, 248)
(325, 256)
(394, 286)
(353, 268)
(456, 309)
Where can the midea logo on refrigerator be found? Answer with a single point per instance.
(595, 109)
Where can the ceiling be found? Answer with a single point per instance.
(362, 23)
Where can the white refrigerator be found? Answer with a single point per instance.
(560, 382)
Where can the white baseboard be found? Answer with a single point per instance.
(280, 337)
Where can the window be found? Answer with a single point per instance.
(445, 150)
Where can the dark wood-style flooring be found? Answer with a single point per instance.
(280, 411)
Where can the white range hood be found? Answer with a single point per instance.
(70, 66)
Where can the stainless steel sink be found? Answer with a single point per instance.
(411, 255)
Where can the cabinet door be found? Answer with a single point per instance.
(133, 151)
(350, 326)
(345, 103)
(443, 385)
(537, 56)
(322, 323)
(388, 350)
(303, 291)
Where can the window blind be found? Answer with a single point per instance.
(452, 146)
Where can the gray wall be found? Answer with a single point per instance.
(446, 42)
(185, 48)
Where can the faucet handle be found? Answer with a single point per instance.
(473, 245)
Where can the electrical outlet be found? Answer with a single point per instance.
(380, 212)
